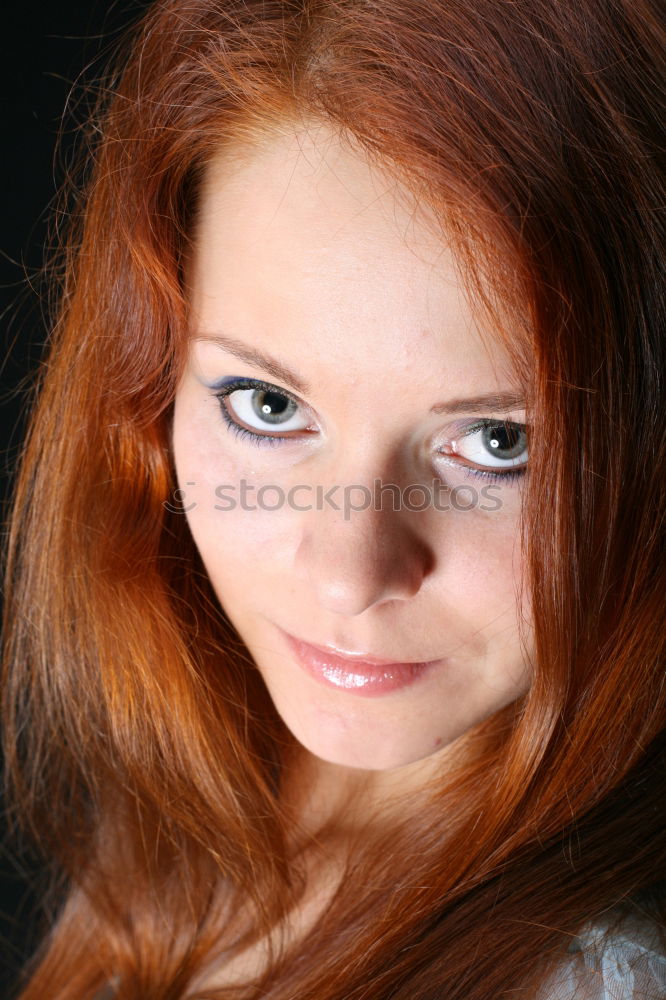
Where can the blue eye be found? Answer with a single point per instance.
(256, 409)
(495, 449)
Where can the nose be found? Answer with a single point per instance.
(351, 562)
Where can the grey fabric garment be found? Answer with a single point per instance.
(611, 963)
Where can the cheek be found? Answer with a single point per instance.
(488, 562)
(246, 552)
(479, 578)
(244, 532)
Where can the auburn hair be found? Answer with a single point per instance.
(142, 752)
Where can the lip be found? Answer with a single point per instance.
(356, 673)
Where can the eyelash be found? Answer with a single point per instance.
(492, 477)
(272, 440)
(268, 440)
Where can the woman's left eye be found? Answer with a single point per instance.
(261, 410)
(497, 445)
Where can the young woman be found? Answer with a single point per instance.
(313, 689)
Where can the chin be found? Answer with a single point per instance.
(366, 749)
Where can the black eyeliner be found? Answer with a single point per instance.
(232, 383)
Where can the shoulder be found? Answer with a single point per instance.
(612, 960)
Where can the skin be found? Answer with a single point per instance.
(305, 251)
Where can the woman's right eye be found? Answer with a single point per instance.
(262, 410)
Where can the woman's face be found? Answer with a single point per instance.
(350, 447)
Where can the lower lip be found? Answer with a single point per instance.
(360, 676)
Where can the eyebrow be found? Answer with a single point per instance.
(284, 374)
(488, 401)
(257, 358)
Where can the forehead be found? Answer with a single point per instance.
(301, 230)
(314, 175)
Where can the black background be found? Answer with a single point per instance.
(51, 54)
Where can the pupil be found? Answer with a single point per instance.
(505, 440)
(272, 407)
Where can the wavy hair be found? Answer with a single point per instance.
(143, 754)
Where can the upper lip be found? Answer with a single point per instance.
(356, 656)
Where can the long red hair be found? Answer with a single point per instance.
(142, 751)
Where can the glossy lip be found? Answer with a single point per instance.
(355, 672)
